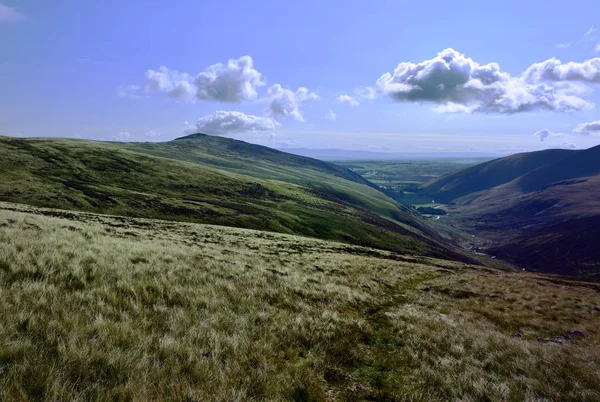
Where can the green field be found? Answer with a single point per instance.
(402, 179)
(105, 308)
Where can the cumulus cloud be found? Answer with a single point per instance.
(174, 83)
(589, 128)
(227, 122)
(568, 145)
(554, 70)
(11, 14)
(545, 134)
(352, 101)
(234, 82)
(287, 103)
(331, 115)
(459, 84)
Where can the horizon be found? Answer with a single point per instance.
(346, 77)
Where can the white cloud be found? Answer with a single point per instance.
(11, 14)
(234, 82)
(452, 107)
(228, 122)
(362, 93)
(589, 35)
(459, 84)
(597, 48)
(172, 82)
(352, 101)
(365, 92)
(285, 102)
(545, 134)
(568, 145)
(331, 115)
(554, 70)
(589, 128)
(563, 45)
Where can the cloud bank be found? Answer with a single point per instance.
(227, 122)
(459, 84)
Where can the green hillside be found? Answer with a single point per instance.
(113, 178)
(330, 180)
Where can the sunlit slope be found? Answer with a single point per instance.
(329, 180)
(107, 178)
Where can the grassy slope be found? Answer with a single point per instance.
(95, 307)
(329, 180)
(491, 174)
(104, 177)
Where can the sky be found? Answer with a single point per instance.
(436, 76)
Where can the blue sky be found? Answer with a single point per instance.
(461, 75)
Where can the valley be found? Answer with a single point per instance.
(538, 210)
(207, 268)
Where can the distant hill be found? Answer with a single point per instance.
(212, 180)
(332, 154)
(541, 209)
(491, 174)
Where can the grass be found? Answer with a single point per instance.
(112, 178)
(97, 307)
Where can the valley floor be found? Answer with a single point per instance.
(95, 307)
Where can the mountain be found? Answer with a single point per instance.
(540, 210)
(212, 180)
(491, 174)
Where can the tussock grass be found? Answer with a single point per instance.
(96, 307)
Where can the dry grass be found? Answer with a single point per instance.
(106, 308)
